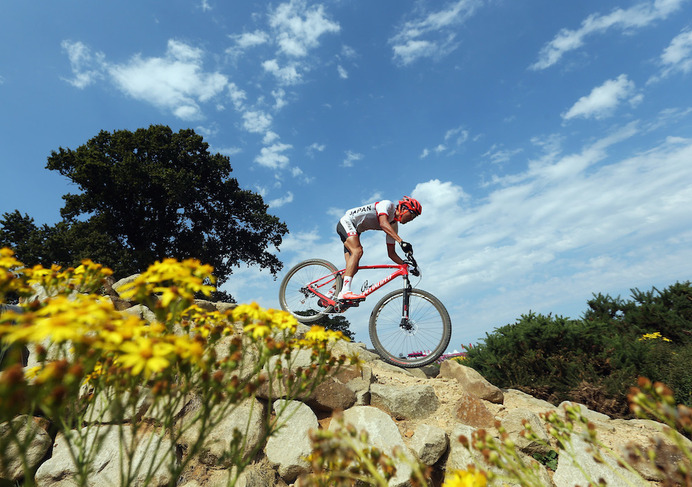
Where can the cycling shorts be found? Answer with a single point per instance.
(345, 229)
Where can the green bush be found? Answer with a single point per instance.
(596, 359)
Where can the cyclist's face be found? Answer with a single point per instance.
(407, 216)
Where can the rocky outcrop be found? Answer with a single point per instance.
(420, 412)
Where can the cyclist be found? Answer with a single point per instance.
(383, 215)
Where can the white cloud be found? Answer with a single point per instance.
(256, 121)
(273, 156)
(343, 74)
(351, 157)
(458, 135)
(298, 28)
(499, 155)
(603, 100)
(87, 67)
(455, 138)
(175, 82)
(237, 96)
(567, 222)
(247, 40)
(287, 75)
(270, 137)
(431, 34)
(677, 57)
(229, 151)
(315, 147)
(276, 203)
(635, 17)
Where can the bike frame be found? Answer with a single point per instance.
(328, 280)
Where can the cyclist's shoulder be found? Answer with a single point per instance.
(384, 204)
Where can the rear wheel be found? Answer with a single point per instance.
(415, 342)
(297, 299)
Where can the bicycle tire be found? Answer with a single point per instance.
(420, 345)
(295, 299)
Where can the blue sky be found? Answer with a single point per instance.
(550, 143)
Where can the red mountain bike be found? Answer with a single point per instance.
(408, 327)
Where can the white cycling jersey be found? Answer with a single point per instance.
(357, 220)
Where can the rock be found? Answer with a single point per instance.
(349, 348)
(518, 399)
(118, 285)
(586, 412)
(246, 418)
(289, 447)
(331, 395)
(111, 409)
(28, 432)
(382, 434)
(429, 443)
(472, 381)
(141, 311)
(471, 411)
(151, 449)
(578, 460)
(640, 434)
(416, 401)
(513, 424)
(460, 458)
(207, 306)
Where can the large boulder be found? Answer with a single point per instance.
(35, 440)
(245, 418)
(472, 381)
(415, 401)
(382, 434)
(150, 449)
(290, 446)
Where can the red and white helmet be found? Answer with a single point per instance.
(411, 204)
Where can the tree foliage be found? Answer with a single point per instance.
(144, 196)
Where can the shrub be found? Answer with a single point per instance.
(596, 359)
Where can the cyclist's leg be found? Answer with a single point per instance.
(353, 251)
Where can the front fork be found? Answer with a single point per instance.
(405, 322)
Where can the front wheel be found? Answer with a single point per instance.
(297, 299)
(415, 342)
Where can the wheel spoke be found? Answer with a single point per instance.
(420, 341)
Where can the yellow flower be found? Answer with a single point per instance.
(258, 329)
(146, 355)
(283, 320)
(188, 277)
(7, 260)
(654, 336)
(250, 312)
(186, 348)
(320, 334)
(466, 478)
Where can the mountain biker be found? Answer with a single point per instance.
(382, 215)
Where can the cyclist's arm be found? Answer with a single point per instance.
(391, 251)
(389, 230)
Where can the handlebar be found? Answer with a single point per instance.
(412, 262)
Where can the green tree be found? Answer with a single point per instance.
(147, 195)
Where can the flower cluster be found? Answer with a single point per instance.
(86, 349)
(654, 336)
